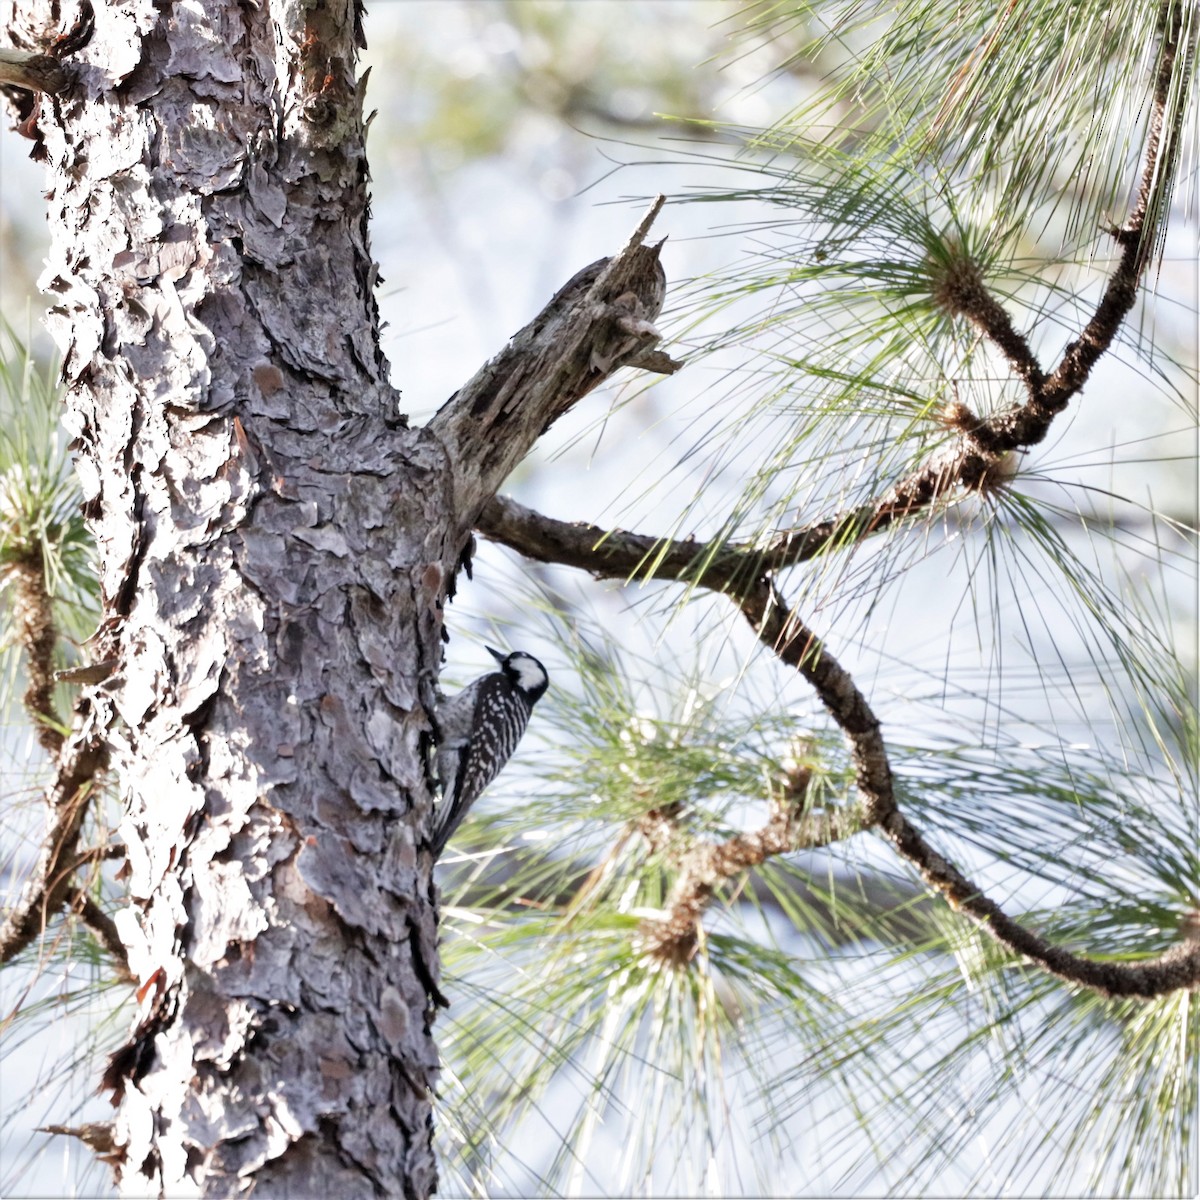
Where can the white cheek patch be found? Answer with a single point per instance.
(530, 675)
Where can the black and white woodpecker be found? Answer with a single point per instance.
(480, 728)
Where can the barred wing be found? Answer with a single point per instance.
(498, 721)
(501, 714)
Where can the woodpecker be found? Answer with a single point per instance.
(480, 728)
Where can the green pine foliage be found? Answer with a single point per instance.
(1044, 736)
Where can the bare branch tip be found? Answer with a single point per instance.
(638, 236)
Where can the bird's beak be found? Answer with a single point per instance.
(498, 655)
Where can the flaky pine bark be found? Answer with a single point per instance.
(275, 548)
(270, 545)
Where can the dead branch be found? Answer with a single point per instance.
(96, 1135)
(600, 320)
(34, 72)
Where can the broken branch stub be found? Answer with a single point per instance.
(600, 320)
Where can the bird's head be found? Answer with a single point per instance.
(525, 672)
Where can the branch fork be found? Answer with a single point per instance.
(673, 935)
(982, 456)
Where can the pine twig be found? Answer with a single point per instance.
(103, 926)
(673, 935)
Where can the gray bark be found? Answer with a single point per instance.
(275, 549)
(271, 550)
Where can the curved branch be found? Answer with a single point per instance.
(673, 935)
(745, 571)
(797, 645)
(613, 556)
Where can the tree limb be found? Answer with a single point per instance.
(103, 926)
(973, 460)
(613, 556)
(797, 645)
(600, 320)
(673, 935)
(745, 571)
(33, 615)
(52, 882)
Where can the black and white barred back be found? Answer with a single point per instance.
(480, 729)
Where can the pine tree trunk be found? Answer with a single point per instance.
(273, 546)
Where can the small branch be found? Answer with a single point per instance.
(672, 935)
(33, 615)
(51, 884)
(34, 72)
(959, 289)
(600, 320)
(719, 566)
(96, 1135)
(726, 566)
